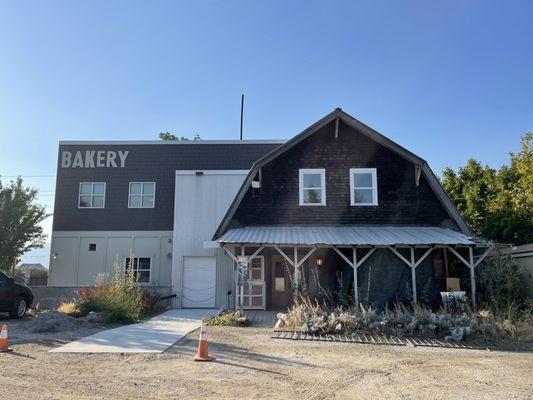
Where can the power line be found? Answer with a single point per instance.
(27, 176)
(33, 256)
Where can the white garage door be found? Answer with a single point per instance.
(199, 282)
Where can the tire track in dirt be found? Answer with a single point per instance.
(327, 388)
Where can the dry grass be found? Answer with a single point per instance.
(458, 324)
(69, 308)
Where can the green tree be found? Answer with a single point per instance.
(170, 136)
(496, 204)
(19, 222)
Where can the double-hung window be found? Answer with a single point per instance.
(141, 195)
(92, 195)
(313, 187)
(141, 268)
(363, 187)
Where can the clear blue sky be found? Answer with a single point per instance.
(449, 80)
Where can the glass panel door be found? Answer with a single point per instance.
(254, 290)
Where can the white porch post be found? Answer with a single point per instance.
(413, 273)
(295, 263)
(471, 264)
(296, 272)
(355, 285)
(472, 268)
(412, 263)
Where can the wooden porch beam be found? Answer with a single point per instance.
(458, 256)
(358, 264)
(483, 256)
(351, 264)
(399, 255)
(427, 253)
(230, 253)
(472, 267)
(296, 272)
(472, 276)
(413, 273)
(355, 283)
(257, 252)
(306, 256)
(284, 255)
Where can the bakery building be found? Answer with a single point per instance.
(305, 214)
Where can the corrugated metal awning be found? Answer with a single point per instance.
(346, 235)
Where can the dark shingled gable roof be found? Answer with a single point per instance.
(372, 134)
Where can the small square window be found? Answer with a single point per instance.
(92, 246)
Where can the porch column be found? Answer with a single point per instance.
(413, 273)
(355, 284)
(471, 264)
(472, 268)
(412, 263)
(354, 264)
(296, 272)
(241, 287)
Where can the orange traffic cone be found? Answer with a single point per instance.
(4, 346)
(203, 352)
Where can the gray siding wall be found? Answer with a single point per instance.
(145, 162)
(75, 265)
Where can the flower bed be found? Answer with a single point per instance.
(314, 318)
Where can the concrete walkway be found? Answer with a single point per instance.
(153, 336)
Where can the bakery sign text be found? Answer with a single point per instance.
(94, 159)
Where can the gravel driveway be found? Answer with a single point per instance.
(251, 365)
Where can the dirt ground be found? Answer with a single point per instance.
(250, 365)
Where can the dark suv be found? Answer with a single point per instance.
(14, 297)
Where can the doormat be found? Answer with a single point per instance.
(397, 341)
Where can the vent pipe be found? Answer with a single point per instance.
(242, 111)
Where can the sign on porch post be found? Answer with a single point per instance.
(243, 271)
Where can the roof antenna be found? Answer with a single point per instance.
(242, 111)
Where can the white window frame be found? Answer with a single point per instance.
(322, 172)
(374, 187)
(150, 270)
(91, 195)
(141, 194)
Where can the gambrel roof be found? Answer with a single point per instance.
(421, 166)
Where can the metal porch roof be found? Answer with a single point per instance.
(346, 235)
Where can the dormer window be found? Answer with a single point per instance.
(363, 187)
(313, 187)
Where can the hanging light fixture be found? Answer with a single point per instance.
(319, 261)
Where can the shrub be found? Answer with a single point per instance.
(501, 286)
(229, 318)
(69, 308)
(121, 299)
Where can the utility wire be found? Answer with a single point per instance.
(27, 176)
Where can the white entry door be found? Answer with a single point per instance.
(254, 290)
(199, 282)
